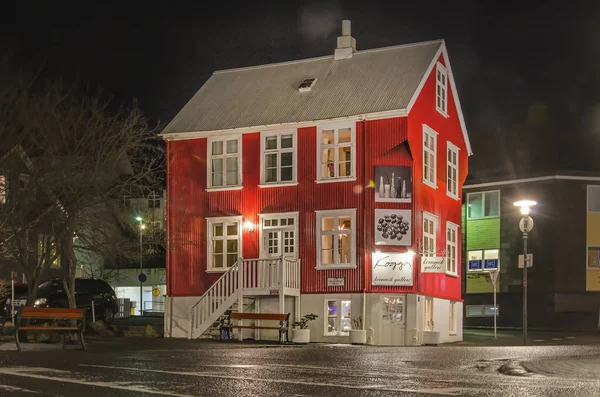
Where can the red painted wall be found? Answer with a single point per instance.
(435, 200)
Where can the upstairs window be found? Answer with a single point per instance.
(337, 152)
(593, 198)
(451, 248)
(429, 156)
(429, 229)
(336, 239)
(441, 89)
(278, 160)
(3, 189)
(483, 205)
(452, 171)
(153, 200)
(224, 167)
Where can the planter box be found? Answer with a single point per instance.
(301, 336)
(431, 338)
(358, 336)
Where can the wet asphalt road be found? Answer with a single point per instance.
(140, 367)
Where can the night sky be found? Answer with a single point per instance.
(528, 77)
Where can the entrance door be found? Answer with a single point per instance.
(428, 314)
(393, 320)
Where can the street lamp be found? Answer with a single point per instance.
(141, 277)
(526, 224)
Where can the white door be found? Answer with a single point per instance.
(279, 233)
(428, 314)
(393, 320)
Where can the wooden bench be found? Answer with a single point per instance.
(283, 327)
(62, 320)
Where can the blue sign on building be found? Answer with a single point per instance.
(490, 264)
(475, 264)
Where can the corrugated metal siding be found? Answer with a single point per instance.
(435, 200)
(371, 81)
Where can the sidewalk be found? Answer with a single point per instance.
(485, 337)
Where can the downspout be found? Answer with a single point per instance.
(169, 321)
(365, 227)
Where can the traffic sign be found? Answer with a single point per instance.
(494, 276)
(529, 261)
(526, 224)
(490, 264)
(475, 265)
(155, 292)
(142, 277)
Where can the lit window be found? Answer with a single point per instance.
(224, 242)
(451, 248)
(153, 200)
(337, 312)
(336, 241)
(483, 205)
(224, 165)
(47, 251)
(3, 189)
(429, 228)
(593, 198)
(452, 171)
(278, 162)
(441, 89)
(279, 235)
(337, 152)
(429, 156)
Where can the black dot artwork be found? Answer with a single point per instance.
(392, 227)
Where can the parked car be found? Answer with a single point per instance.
(51, 294)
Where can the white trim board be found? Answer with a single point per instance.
(534, 179)
(442, 51)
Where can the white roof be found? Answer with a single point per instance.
(371, 81)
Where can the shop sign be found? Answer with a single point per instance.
(335, 282)
(392, 269)
(433, 264)
(490, 264)
(475, 265)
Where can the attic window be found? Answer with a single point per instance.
(307, 84)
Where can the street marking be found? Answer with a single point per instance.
(285, 381)
(538, 340)
(15, 388)
(569, 337)
(27, 372)
(557, 338)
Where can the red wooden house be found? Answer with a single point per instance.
(329, 185)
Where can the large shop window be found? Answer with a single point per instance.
(336, 145)
(451, 248)
(593, 198)
(429, 156)
(336, 239)
(452, 170)
(483, 205)
(441, 89)
(593, 258)
(429, 228)
(483, 255)
(338, 312)
(224, 167)
(278, 160)
(224, 242)
(279, 235)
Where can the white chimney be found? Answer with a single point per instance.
(346, 44)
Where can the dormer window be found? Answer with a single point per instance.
(307, 84)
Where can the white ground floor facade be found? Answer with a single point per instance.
(389, 319)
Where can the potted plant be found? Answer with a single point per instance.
(358, 335)
(301, 331)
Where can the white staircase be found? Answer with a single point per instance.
(247, 277)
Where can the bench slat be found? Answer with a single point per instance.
(258, 316)
(51, 312)
(36, 328)
(250, 326)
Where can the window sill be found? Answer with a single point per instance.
(325, 267)
(452, 196)
(430, 184)
(453, 275)
(220, 189)
(333, 180)
(217, 270)
(440, 111)
(268, 185)
(452, 334)
(336, 335)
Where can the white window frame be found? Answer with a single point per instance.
(278, 151)
(428, 132)
(483, 194)
(223, 156)
(431, 237)
(339, 316)
(209, 240)
(319, 232)
(452, 149)
(452, 318)
(320, 147)
(450, 260)
(280, 215)
(441, 89)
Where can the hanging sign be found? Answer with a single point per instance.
(392, 269)
(433, 264)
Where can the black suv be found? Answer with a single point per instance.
(51, 294)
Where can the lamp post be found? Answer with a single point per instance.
(526, 224)
(141, 276)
